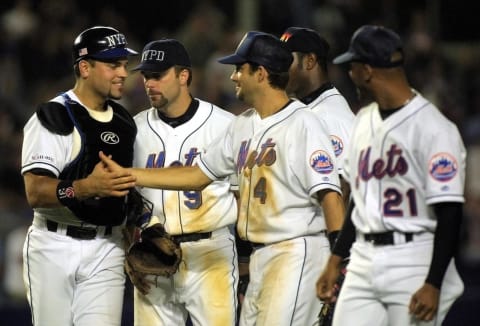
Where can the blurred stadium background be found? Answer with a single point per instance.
(441, 38)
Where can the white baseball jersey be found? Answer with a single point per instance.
(159, 145)
(400, 165)
(396, 167)
(281, 162)
(59, 260)
(53, 152)
(334, 112)
(205, 285)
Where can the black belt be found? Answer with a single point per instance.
(385, 238)
(256, 245)
(188, 237)
(78, 232)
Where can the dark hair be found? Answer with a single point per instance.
(278, 80)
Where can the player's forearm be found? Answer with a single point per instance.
(333, 209)
(41, 191)
(171, 178)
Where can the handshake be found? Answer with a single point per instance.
(107, 179)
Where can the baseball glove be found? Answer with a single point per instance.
(150, 252)
(325, 317)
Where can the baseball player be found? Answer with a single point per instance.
(174, 132)
(73, 254)
(286, 171)
(309, 82)
(406, 167)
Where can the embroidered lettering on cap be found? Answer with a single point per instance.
(150, 55)
(115, 40)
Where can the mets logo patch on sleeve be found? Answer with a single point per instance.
(321, 162)
(337, 145)
(443, 167)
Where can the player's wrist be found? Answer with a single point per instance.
(65, 192)
(332, 238)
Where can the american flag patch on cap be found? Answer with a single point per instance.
(83, 51)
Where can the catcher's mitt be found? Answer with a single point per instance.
(152, 253)
(325, 317)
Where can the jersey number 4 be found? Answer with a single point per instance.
(394, 199)
(260, 190)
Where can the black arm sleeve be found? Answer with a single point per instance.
(445, 244)
(347, 234)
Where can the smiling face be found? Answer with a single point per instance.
(244, 79)
(108, 78)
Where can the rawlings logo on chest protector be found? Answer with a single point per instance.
(110, 137)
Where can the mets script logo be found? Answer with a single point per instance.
(443, 167)
(321, 162)
(337, 145)
(110, 137)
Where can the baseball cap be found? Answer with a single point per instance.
(305, 40)
(262, 49)
(377, 46)
(101, 43)
(162, 54)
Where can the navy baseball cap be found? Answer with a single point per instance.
(305, 40)
(262, 49)
(377, 46)
(162, 54)
(101, 43)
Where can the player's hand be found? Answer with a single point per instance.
(110, 164)
(424, 302)
(326, 282)
(104, 183)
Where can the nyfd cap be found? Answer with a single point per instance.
(377, 46)
(305, 40)
(101, 43)
(162, 54)
(262, 49)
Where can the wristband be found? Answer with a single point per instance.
(332, 238)
(66, 193)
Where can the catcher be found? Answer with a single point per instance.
(149, 249)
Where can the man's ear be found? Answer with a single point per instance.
(183, 76)
(310, 60)
(84, 68)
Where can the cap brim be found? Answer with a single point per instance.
(344, 58)
(114, 53)
(153, 67)
(233, 59)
